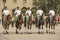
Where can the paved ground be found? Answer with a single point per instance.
(34, 36)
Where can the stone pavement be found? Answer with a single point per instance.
(33, 36)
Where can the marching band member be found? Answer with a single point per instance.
(28, 14)
(17, 13)
(28, 11)
(51, 14)
(5, 13)
(39, 13)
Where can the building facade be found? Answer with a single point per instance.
(11, 4)
(14, 3)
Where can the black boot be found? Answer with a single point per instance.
(17, 32)
(7, 32)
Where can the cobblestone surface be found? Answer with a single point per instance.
(33, 36)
